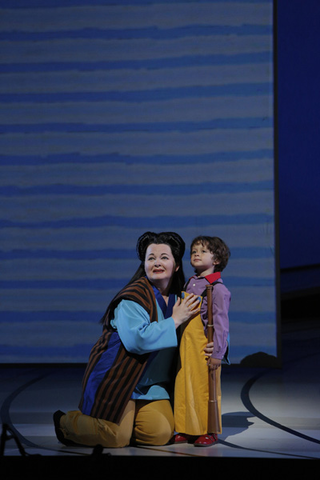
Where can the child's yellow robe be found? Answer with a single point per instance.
(191, 393)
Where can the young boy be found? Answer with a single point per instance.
(209, 257)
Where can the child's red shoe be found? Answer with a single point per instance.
(180, 438)
(206, 440)
(184, 438)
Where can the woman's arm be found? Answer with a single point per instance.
(138, 334)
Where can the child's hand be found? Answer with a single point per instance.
(213, 363)
(186, 308)
(208, 351)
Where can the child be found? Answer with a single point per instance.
(209, 256)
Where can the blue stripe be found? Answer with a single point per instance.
(52, 316)
(75, 158)
(143, 189)
(239, 253)
(150, 64)
(29, 4)
(89, 284)
(158, 222)
(108, 284)
(245, 89)
(45, 351)
(69, 254)
(252, 318)
(179, 126)
(139, 33)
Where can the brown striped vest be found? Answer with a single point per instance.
(118, 383)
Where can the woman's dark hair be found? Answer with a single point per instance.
(177, 246)
(217, 247)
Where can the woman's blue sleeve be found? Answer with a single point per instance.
(138, 334)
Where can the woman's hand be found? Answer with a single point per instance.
(184, 309)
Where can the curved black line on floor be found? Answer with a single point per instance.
(4, 412)
(280, 454)
(245, 397)
(230, 445)
(6, 419)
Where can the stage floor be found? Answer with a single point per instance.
(267, 413)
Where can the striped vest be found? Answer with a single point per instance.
(119, 381)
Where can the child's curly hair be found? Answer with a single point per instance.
(217, 247)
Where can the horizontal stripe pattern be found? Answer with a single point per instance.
(117, 118)
(94, 174)
(39, 269)
(78, 299)
(136, 15)
(178, 159)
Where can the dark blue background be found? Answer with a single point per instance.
(298, 69)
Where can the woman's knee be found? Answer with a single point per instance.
(161, 434)
(158, 435)
(154, 423)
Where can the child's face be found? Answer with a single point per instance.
(202, 259)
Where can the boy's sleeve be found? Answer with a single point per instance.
(220, 309)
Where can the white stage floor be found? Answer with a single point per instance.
(267, 413)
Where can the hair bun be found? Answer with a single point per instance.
(143, 242)
(174, 240)
(170, 238)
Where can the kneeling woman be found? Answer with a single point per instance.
(125, 397)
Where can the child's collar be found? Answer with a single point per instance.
(213, 277)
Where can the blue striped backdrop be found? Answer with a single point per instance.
(121, 117)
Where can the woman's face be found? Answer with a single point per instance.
(160, 265)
